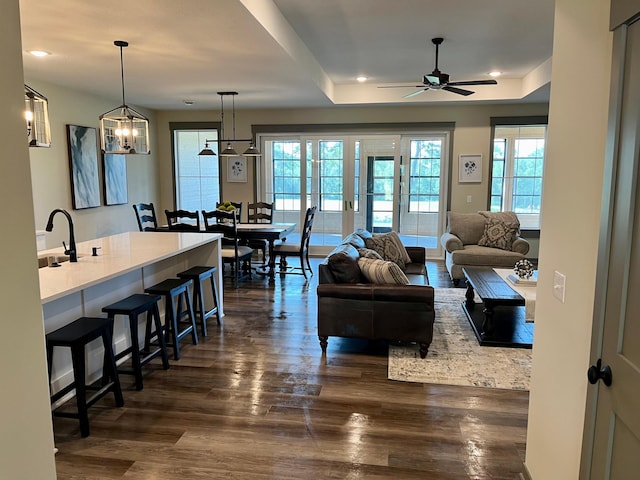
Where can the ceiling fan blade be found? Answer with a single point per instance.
(459, 91)
(416, 93)
(400, 86)
(474, 82)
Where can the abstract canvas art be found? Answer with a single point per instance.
(83, 163)
(115, 179)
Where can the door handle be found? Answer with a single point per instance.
(598, 372)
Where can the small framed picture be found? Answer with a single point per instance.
(470, 168)
(237, 169)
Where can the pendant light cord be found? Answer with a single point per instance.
(222, 117)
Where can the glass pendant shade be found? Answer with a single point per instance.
(123, 130)
(37, 117)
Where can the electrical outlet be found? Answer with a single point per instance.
(558, 285)
(468, 198)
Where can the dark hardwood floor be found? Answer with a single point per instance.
(256, 400)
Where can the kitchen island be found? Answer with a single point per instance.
(125, 264)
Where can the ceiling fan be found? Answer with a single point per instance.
(437, 80)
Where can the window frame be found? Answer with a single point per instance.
(193, 126)
(497, 122)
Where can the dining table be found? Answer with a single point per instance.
(269, 232)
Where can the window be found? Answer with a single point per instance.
(516, 171)
(197, 178)
(424, 175)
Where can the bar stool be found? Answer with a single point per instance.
(174, 289)
(132, 307)
(76, 335)
(199, 275)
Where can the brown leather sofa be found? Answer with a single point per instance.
(349, 306)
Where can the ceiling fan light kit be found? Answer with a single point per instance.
(437, 80)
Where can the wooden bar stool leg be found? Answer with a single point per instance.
(198, 299)
(135, 351)
(171, 321)
(191, 316)
(79, 374)
(154, 316)
(110, 362)
(214, 289)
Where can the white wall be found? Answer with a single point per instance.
(26, 440)
(51, 177)
(569, 239)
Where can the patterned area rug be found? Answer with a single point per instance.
(455, 357)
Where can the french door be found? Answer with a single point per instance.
(377, 182)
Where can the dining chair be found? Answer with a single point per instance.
(260, 212)
(238, 209)
(301, 251)
(183, 220)
(146, 217)
(232, 251)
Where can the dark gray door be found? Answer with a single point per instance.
(612, 435)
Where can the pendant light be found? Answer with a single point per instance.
(123, 130)
(229, 151)
(36, 115)
(206, 150)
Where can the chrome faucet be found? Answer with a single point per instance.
(71, 251)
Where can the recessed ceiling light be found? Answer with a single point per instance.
(361, 78)
(39, 53)
(495, 74)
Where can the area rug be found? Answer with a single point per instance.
(455, 357)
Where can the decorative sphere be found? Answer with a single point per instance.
(523, 268)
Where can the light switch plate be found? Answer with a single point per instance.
(558, 285)
(468, 198)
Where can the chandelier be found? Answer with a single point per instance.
(123, 130)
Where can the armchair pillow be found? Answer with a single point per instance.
(381, 271)
(499, 234)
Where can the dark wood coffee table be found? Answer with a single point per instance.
(501, 320)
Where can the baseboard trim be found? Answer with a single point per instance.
(525, 474)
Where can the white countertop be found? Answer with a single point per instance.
(118, 254)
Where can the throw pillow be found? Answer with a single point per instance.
(498, 234)
(369, 253)
(390, 248)
(381, 271)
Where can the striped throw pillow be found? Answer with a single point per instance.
(381, 271)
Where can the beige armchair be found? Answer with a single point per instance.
(486, 239)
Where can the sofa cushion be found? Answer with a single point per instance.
(369, 253)
(468, 227)
(361, 232)
(484, 256)
(390, 248)
(356, 240)
(381, 271)
(499, 234)
(506, 217)
(343, 263)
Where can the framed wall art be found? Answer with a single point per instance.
(115, 179)
(236, 169)
(470, 168)
(83, 166)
